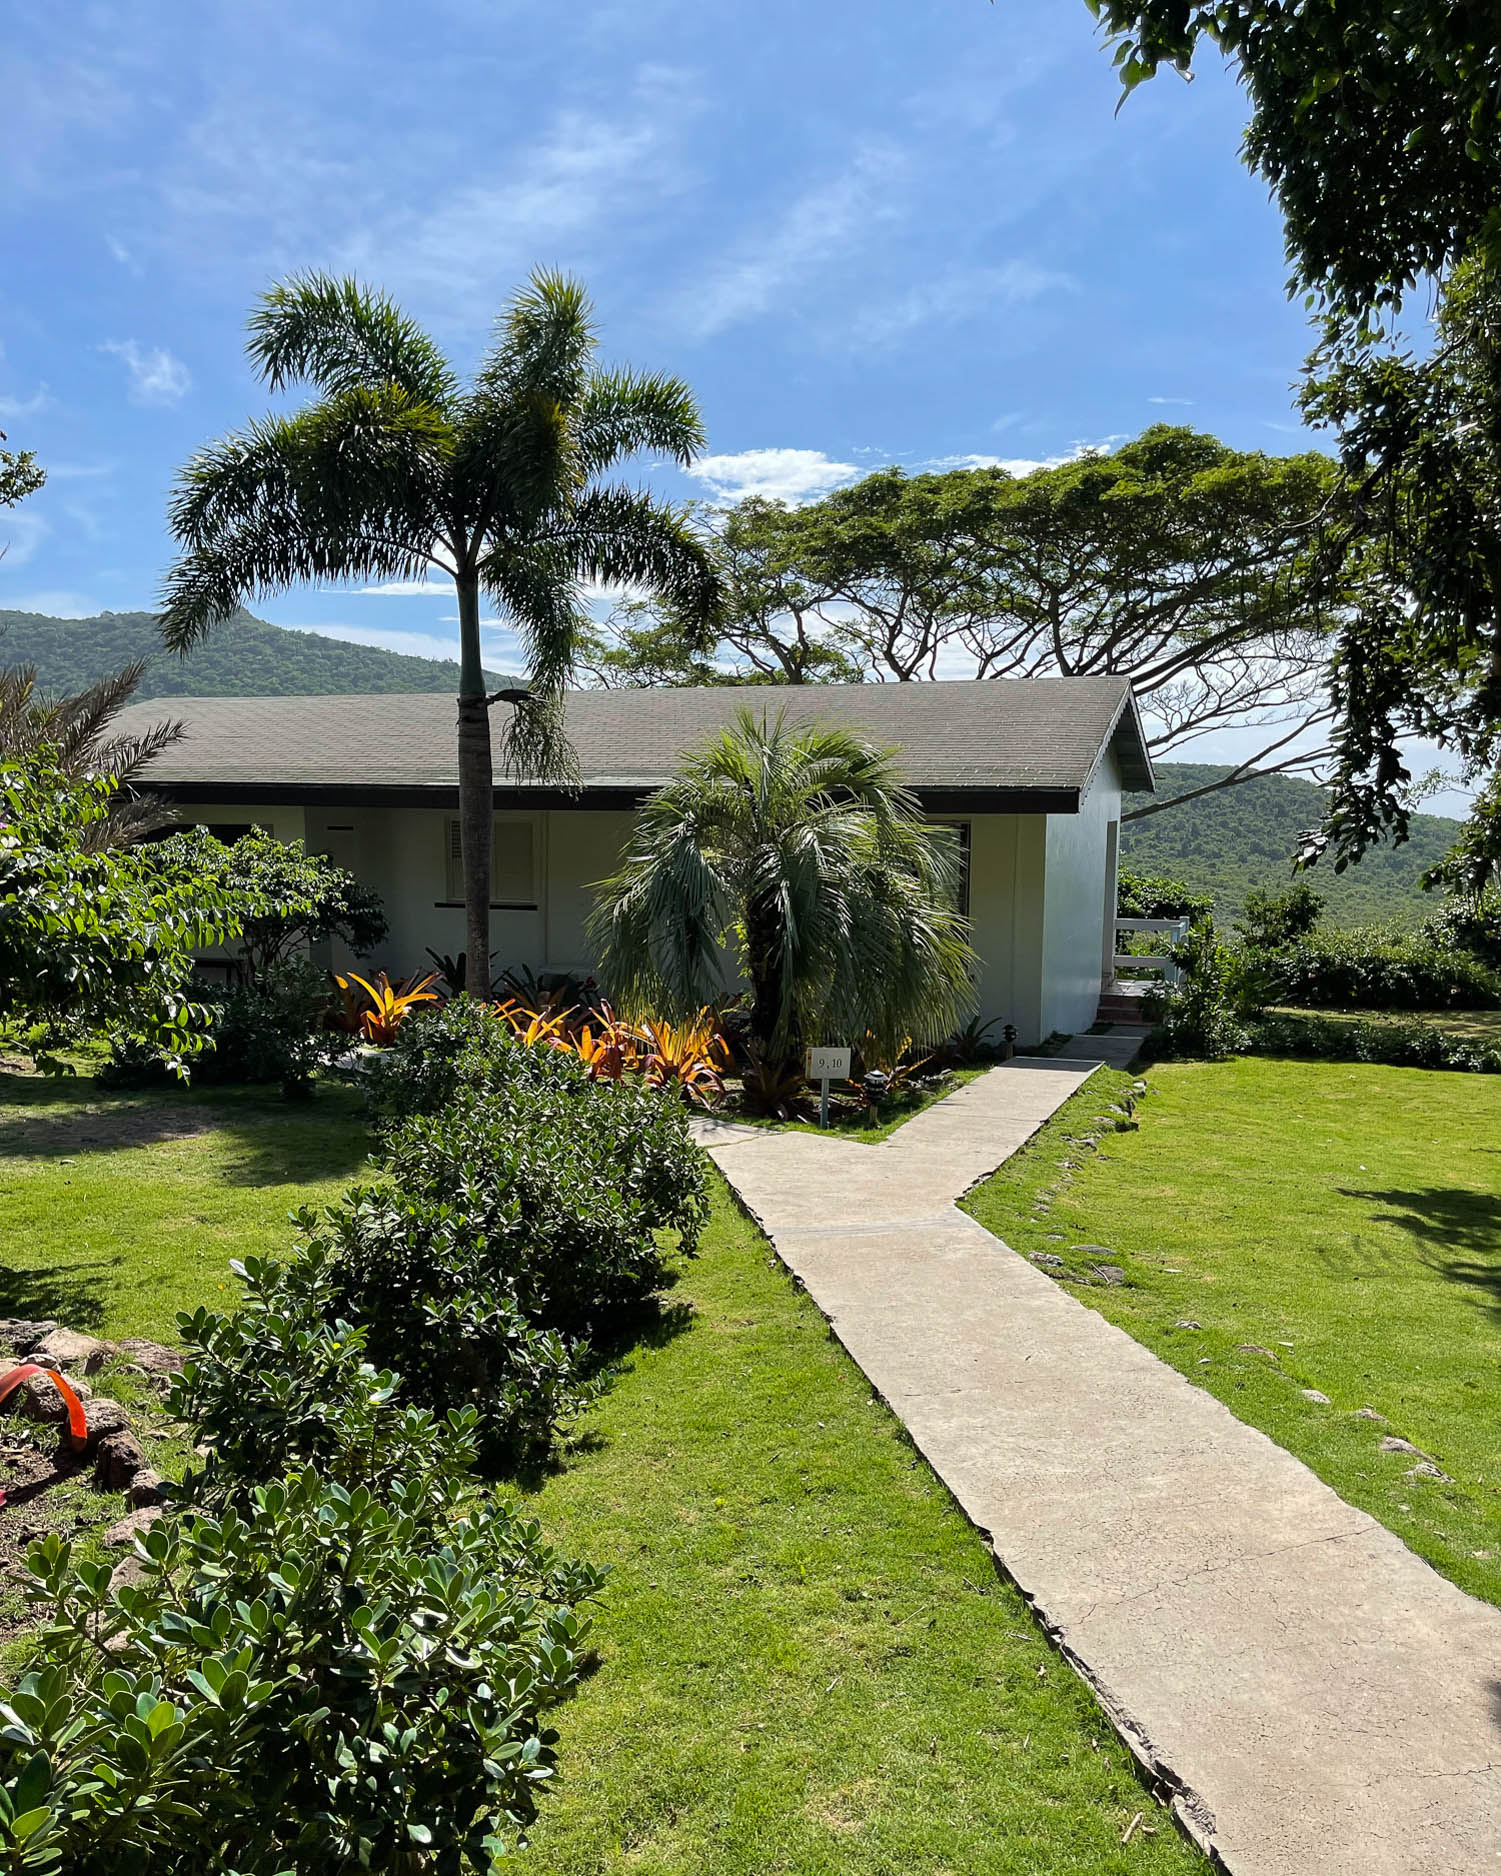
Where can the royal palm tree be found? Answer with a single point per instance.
(398, 467)
(800, 851)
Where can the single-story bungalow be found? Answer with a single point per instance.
(1030, 770)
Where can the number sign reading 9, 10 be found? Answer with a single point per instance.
(828, 1064)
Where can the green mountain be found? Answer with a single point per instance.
(1240, 837)
(244, 657)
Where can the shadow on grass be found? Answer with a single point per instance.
(273, 1142)
(1459, 1230)
(659, 1322)
(70, 1293)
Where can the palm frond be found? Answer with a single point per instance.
(342, 337)
(625, 411)
(543, 343)
(625, 537)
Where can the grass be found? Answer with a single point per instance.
(853, 1122)
(1291, 1225)
(1483, 1026)
(808, 1663)
(117, 1210)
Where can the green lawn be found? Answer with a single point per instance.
(117, 1210)
(807, 1662)
(1328, 1226)
(1483, 1026)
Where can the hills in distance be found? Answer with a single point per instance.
(1245, 836)
(244, 657)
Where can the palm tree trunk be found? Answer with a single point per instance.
(763, 966)
(476, 790)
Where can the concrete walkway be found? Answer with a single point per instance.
(1322, 1702)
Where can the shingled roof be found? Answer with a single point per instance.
(1011, 745)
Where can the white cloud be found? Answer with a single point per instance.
(959, 293)
(25, 406)
(51, 602)
(22, 531)
(822, 226)
(784, 475)
(1013, 465)
(406, 589)
(156, 377)
(1187, 402)
(576, 187)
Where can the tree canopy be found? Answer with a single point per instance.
(1374, 121)
(1186, 565)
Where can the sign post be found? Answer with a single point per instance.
(824, 1066)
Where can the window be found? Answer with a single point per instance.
(513, 863)
(960, 831)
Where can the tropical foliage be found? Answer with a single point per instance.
(798, 851)
(77, 730)
(388, 1005)
(95, 937)
(397, 468)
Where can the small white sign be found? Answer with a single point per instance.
(828, 1064)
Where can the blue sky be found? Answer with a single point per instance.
(865, 233)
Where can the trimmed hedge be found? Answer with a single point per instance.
(1378, 970)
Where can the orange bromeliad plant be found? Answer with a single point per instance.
(611, 1050)
(390, 1004)
(691, 1056)
(537, 1029)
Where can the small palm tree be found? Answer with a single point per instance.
(800, 851)
(77, 730)
(397, 467)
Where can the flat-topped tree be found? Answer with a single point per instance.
(398, 466)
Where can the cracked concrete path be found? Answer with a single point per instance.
(1320, 1700)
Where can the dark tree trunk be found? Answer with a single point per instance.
(763, 947)
(476, 790)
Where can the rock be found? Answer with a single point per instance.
(127, 1573)
(146, 1488)
(20, 1336)
(1426, 1469)
(151, 1357)
(1370, 1413)
(1050, 1260)
(1312, 1393)
(131, 1525)
(117, 1460)
(74, 1349)
(39, 1400)
(1091, 1250)
(1255, 1348)
(1108, 1273)
(102, 1418)
(1187, 1322)
(1394, 1443)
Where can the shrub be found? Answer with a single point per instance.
(1275, 919)
(1470, 924)
(326, 1679)
(282, 1382)
(461, 1044)
(1156, 895)
(1199, 1017)
(272, 1030)
(1399, 1045)
(1375, 969)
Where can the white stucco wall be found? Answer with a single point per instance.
(1037, 894)
(1006, 862)
(1074, 902)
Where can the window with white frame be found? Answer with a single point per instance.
(513, 863)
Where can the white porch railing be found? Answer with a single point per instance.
(1161, 961)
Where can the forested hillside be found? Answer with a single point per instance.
(1240, 837)
(245, 657)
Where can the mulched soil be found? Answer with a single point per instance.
(31, 1472)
